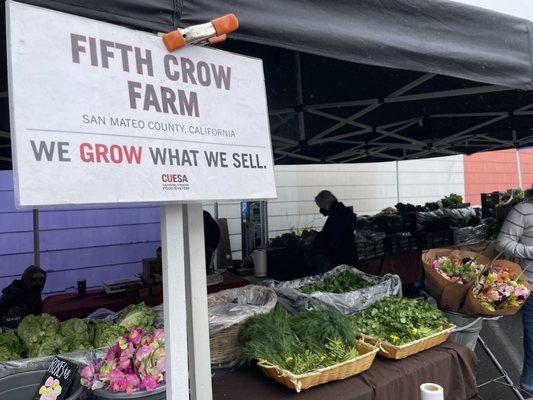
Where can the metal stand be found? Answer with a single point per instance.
(504, 375)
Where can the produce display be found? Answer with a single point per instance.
(500, 288)
(511, 197)
(10, 346)
(341, 283)
(105, 335)
(400, 320)
(43, 335)
(135, 362)
(298, 343)
(457, 270)
(137, 316)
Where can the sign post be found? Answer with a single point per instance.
(102, 114)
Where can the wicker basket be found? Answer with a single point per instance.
(225, 347)
(389, 350)
(336, 372)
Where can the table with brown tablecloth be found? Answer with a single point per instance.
(71, 305)
(408, 266)
(450, 365)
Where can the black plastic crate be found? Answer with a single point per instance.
(432, 240)
(391, 223)
(400, 243)
(369, 250)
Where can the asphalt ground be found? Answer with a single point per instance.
(504, 338)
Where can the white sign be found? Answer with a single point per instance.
(104, 114)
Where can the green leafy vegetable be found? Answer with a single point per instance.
(34, 329)
(400, 321)
(300, 343)
(7, 354)
(344, 282)
(75, 328)
(48, 347)
(70, 344)
(105, 335)
(137, 316)
(10, 340)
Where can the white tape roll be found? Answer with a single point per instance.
(431, 391)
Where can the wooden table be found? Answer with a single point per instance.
(71, 305)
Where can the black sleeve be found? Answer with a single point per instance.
(8, 299)
(211, 231)
(323, 239)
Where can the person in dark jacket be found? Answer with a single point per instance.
(211, 236)
(23, 297)
(336, 240)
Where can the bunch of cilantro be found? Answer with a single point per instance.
(399, 320)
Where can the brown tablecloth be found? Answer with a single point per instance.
(70, 305)
(408, 266)
(450, 365)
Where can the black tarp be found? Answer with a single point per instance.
(361, 50)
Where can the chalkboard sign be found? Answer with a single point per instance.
(57, 380)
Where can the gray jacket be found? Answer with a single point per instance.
(516, 236)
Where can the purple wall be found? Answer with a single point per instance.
(96, 243)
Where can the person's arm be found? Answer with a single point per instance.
(7, 299)
(508, 239)
(321, 241)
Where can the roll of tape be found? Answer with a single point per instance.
(431, 391)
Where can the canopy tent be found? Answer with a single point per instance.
(362, 81)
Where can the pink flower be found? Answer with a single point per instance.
(132, 382)
(105, 369)
(117, 381)
(148, 383)
(135, 336)
(87, 376)
(111, 354)
(159, 334)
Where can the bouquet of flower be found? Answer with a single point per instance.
(135, 362)
(449, 275)
(501, 288)
(458, 270)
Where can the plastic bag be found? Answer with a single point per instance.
(347, 303)
(232, 306)
(470, 234)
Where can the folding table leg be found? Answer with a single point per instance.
(499, 367)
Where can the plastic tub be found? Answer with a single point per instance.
(467, 331)
(24, 385)
(157, 394)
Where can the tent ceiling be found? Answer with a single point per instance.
(370, 81)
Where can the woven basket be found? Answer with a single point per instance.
(225, 347)
(389, 350)
(336, 372)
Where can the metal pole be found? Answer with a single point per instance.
(500, 369)
(300, 97)
(215, 255)
(36, 242)
(519, 169)
(266, 222)
(397, 183)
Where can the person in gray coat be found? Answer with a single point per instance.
(516, 240)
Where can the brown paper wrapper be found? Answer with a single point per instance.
(449, 295)
(473, 306)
